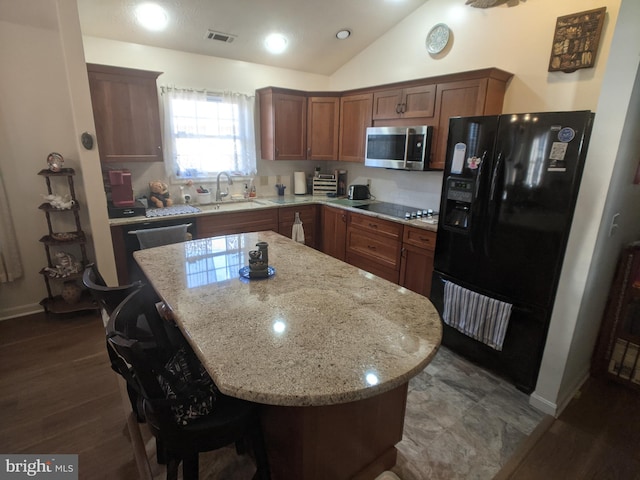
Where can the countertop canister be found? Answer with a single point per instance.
(300, 183)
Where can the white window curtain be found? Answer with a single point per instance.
(206, 133)
(10, 265)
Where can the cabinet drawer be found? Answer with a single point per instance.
(375, 247)
(237, 222)
(419, 238)
(385, 228)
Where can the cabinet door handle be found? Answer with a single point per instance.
(373, 225)
(404, 108)
(398, 108)
(371, 247)
(424, 239)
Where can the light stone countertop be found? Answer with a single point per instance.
(277, 202)
(319, 332)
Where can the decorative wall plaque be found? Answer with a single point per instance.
(576, 40)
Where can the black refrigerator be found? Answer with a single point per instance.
(509, 190)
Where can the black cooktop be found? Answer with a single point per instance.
(393, 209)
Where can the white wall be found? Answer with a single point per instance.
(593, 252)
(516, 39)
(38, 115)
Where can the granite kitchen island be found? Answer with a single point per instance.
(326, 348)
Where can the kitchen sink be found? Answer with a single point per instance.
(231, 206)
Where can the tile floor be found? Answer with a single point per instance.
(462, 422)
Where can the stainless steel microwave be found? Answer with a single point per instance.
(401, 148)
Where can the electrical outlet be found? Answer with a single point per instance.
(369, 183)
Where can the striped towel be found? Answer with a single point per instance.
(482, 318)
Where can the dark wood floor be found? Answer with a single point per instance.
(59, 395)
(596, 437)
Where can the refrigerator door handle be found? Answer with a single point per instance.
(492, 206)
(476, 207)
(494, 178)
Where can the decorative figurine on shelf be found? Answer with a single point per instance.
(55, 161)
(66, 264)
(71, 292)
(160, 196)
(59, 202)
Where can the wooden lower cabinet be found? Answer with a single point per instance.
(374, 245)
(237, 222)
(333, 231)
(416, 268)
(309, 218)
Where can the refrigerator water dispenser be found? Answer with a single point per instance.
(459, 198)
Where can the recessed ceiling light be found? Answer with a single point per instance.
(343, 34)
(276, 43)
(152, 16)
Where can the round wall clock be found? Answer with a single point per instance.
(437, 38)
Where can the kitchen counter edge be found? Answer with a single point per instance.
(277, 202)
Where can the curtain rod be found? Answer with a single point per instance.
(166, 88)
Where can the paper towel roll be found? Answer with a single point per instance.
(299, 183)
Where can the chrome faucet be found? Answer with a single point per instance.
(220, 195)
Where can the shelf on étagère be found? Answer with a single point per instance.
(49, 208)
(63, 172)
(64, 238)
(71, 276)
(57, 304)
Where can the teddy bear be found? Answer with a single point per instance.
(160, 196)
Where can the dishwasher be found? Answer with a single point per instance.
(131, 240)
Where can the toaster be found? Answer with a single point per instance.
(358, 192)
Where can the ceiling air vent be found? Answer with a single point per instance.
(221, 37)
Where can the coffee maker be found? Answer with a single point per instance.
(121, 189)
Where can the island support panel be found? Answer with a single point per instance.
(354, 440)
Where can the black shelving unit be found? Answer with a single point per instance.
(63, 241)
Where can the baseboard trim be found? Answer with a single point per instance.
(573, 391)
(542, 404)
(557, 408)
(21, 311)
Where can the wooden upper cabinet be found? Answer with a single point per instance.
(355, 117)
(126, 114)
(283, 124)
(464, 98)
(323, 128)
(411, 102)
(297, 125)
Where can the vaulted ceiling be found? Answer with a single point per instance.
(310, 25)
